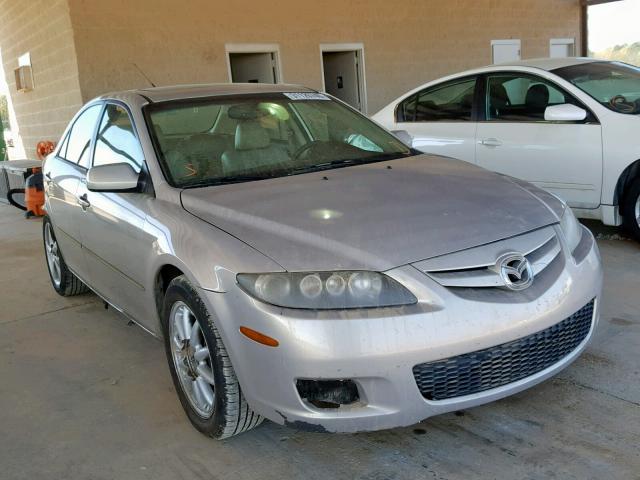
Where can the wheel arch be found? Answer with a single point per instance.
(624, 181)
(164, 274)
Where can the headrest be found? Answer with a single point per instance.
(250, 135)
(537, 96)
(245, 111)
(498, 95)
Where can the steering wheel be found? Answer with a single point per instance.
(621, 104)
(304, 148)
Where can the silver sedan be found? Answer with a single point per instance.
(302, 264)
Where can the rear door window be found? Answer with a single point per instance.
(447, 102)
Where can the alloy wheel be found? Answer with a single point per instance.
(192, 359)
(53, 255)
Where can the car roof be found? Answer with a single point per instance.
(177, 92)
(548, 63)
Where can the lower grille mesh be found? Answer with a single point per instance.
(496, 366)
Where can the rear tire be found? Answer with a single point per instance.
(226, 412)
(64, 282)
(630, 210)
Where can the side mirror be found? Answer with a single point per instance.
(113, 177)
(564, 113)
(404, 136)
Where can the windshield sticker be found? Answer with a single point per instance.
(306, 96)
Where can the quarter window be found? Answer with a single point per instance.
(522, 98)
(452, 101)
(77, 146)
(116, 141)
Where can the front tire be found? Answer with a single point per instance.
(200, 367)
(630, 210)
(64, 282)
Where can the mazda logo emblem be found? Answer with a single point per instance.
(515, 271)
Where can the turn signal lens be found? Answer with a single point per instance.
(259, 337)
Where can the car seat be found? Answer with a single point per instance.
(253, 149)
(537, 99)
(498, 99)
(204, 151)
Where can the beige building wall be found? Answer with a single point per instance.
(82, 48)
(43, 29)
(406, 42)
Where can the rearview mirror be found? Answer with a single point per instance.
(564, 113)
(112, 177)
(404, 136)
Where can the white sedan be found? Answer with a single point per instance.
(568, 125)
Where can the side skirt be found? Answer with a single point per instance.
(117, 308)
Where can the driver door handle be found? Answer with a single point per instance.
(491, 142)
(83, 201)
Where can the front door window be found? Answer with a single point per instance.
(513, 97)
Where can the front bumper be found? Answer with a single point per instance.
(379, 348)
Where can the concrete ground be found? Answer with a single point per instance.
(83, 395)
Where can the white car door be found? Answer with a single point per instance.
(562, 157)
(440, 119)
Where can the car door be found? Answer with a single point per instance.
(440, 118)
(113, 233)
(514, 138)
(63, 173)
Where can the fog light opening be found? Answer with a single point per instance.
(328, 393)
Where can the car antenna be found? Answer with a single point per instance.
(142, 73)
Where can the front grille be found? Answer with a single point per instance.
(496, 366)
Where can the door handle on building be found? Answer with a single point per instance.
(491, 142)
(83, 201)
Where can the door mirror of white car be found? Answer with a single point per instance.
(404, 136)
(112, 177)
(564, 113)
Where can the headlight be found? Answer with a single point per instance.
(326, 290)
(571, 229)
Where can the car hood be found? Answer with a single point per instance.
(375, 216)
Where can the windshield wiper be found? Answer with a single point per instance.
(227, 180)
(299, 170)
(317, 167)
(348, 162)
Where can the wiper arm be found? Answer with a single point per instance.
(317, 167)
(349, 161)
(227, 180)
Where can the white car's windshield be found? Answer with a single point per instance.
(615, 85)
(220, 140)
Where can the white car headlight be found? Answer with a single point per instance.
(326, 290)
(571, 229)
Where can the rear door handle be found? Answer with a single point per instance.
(491, 142)
(83, 201)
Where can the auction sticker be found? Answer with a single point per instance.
(306, 96)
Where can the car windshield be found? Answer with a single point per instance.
(615, 85)
(220, 140)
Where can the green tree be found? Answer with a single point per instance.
(628, 53)
(4, 111)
